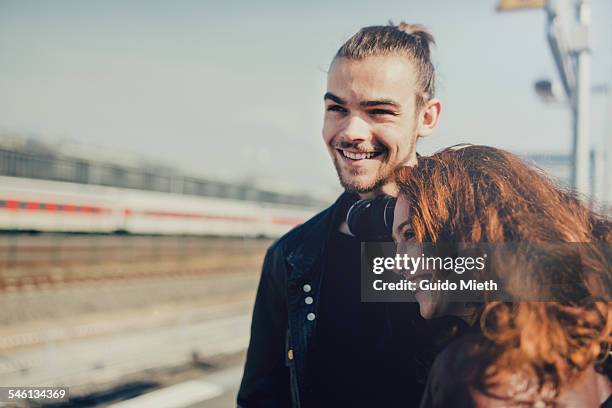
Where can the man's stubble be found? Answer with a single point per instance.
(384, 173)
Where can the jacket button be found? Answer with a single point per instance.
(310, 316)
(290, 354)
(307, 288)
(308, 300)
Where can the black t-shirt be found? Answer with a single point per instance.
(363, 354)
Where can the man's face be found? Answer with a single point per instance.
(370, 122)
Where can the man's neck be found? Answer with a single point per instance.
(390, 189)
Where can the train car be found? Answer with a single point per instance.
(55, 206)
(41, 205)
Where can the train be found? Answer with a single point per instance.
(73, 188)
(57, 206)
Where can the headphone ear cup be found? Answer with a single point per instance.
(355, 216)
(372, 220)
(389, 213)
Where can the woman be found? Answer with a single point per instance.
(529, 353)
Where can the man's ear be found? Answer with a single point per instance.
(428, 118)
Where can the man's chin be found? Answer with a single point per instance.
(360, 181)
(360, 186)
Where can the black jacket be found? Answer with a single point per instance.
(283, 322)
(284, 319)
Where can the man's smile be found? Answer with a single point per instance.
(358, 155)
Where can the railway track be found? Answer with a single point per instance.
(38, 262)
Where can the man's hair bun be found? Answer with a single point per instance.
(417, 30)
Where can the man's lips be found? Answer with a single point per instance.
(357, 155)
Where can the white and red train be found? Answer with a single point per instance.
(54, 206)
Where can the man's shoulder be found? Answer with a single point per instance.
(315, 227)
(313, 232)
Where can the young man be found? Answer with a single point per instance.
(313, 343)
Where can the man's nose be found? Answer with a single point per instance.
(356, 129)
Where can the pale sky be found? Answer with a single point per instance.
(234, 90)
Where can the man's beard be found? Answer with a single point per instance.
(383, 176)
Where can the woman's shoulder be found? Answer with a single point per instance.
(453, 372)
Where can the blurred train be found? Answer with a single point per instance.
(42, 205)
(43, 189)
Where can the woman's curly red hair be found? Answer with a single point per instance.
(480, 194)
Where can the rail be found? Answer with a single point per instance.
(33, 262)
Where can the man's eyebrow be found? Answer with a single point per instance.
(380, 102)
(331, 96)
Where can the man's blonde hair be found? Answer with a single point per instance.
(407, 40)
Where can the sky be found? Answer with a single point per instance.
(233, 90)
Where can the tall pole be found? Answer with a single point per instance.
(607, 176)
(568, 35)
(582, 105)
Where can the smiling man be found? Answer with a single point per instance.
(313, 342)
(379, 102)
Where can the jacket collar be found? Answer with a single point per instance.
(313, 242)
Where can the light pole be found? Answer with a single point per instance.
(604, 167)
(568, 33)
(583, 102)
(569, 39)
(600, 159)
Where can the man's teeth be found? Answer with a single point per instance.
(358, 156)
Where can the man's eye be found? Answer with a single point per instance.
(381, 112)
(336, 108)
